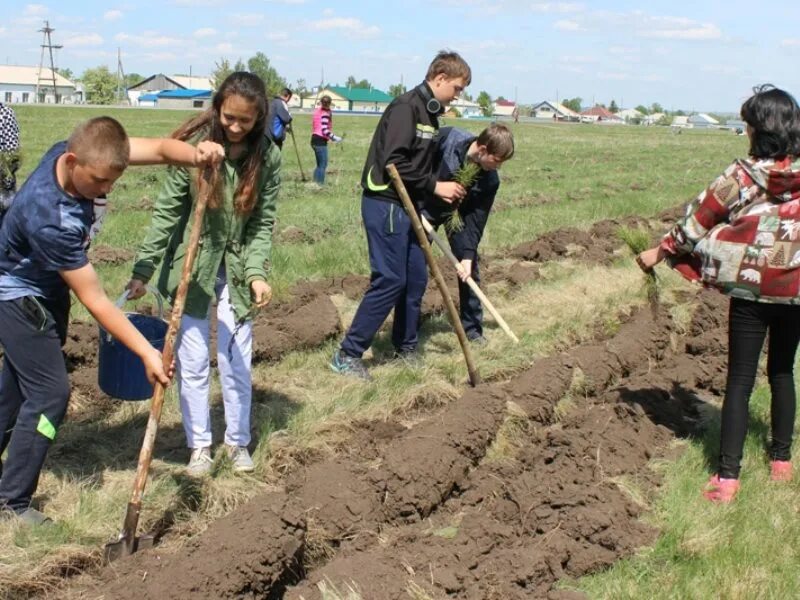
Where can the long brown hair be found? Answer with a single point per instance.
(207, 126)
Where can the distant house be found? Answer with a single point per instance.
(681, 122)
(504, 108)
(703, 121)
(553, 111)
(599, 114)
(148, 99)
(631, 115)
(161, 82)
(736, 125)
(467, 108)
(18, 85)
(652, 119)
(189, 99)
(363, 100)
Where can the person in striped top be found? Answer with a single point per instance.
(321, 133)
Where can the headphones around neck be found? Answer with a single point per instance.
(432, 105)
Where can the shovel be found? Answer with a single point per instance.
(127, 543)
(474, 377)
(297, 152)
(469, 280)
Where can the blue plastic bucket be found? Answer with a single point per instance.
(120, 372)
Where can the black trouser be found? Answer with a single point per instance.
(470, 309)
(748, 324)
(34, 390)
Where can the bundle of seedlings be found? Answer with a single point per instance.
(9, 162)
(638, 240)
(466, 176)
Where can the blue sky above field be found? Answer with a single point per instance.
(703, 56)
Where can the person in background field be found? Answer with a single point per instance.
(406, 137)
(279, 117)
(321, 133)
(44, 240)
(742, 237)
(9, 157)
(231, 267)
(457, 149)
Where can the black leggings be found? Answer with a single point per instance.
(748, 324)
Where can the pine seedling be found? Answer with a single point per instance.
(466, 176)
(9, 160)
(638, 241)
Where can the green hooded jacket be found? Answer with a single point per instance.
(244, 242)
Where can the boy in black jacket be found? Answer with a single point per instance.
(488, 151)
(406, 137)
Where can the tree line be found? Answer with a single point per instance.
(101, 86)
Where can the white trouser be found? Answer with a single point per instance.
(233, 361)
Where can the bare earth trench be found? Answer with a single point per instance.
(421, 506)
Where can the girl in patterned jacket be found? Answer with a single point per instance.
(741, 236)
(9, 157)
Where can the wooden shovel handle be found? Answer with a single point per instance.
(474, 377)
(146, 453)
(469, 281)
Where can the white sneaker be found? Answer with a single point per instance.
(200, 462)
(240, 457)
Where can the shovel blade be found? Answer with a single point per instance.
(125, 546)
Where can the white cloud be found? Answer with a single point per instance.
(225, 48)
(578, 59)
(204, 32)
(613, 76)
(78, 40)
(112, 15)
(567, 25)
(328, 12)
(159, 56)
(791, 43)
(36, 10)
(557, 7)
(348, 24)
(246, 19)
(678, 28)
(148, 39)
(195, 3)
(277, 36)
(640, 24)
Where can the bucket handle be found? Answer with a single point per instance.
(120, 302)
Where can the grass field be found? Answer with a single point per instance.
(562, 175)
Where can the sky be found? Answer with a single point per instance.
(701, 56)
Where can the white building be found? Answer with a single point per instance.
(703, 121)
(630, 115)
(19, 85)
(467, 108)
(160, 82)
(553, 111)
(652, 118)
(681, 122)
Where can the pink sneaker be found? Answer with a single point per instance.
(721, 490)
(780, 470)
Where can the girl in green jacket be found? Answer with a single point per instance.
(231, 266)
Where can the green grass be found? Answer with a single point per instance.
(561, 176)
(592, 173)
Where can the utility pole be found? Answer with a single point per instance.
(48, 44)
(121, 87)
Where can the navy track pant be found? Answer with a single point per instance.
(34, 390)
(397, 281)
